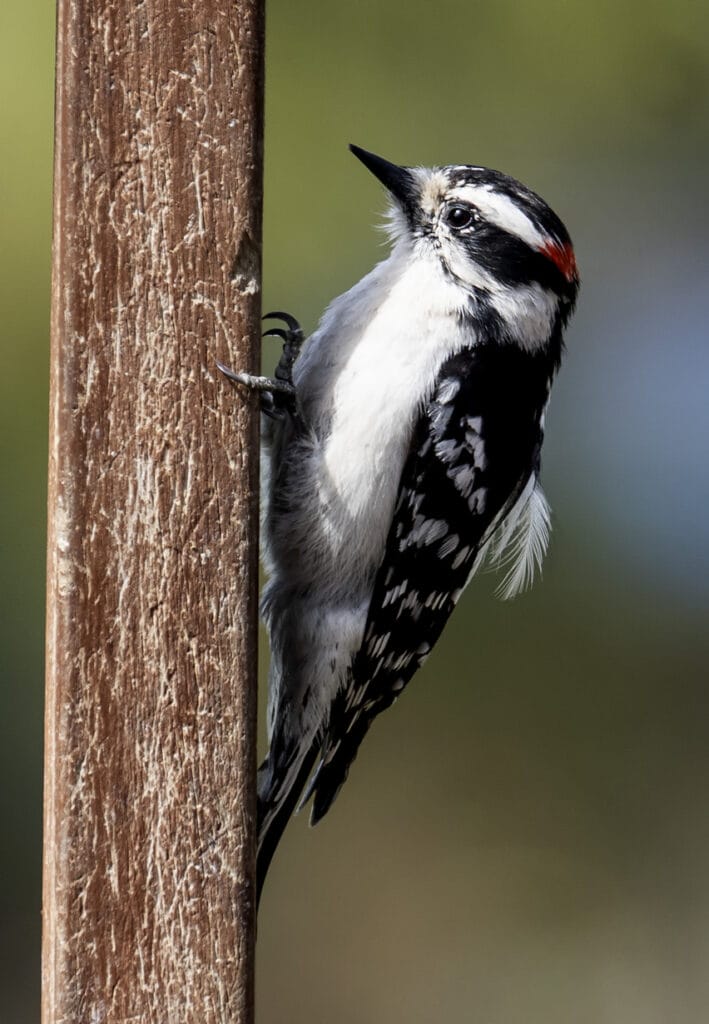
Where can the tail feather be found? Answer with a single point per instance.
(278, 794)
(334, 767)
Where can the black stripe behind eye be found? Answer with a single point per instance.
(511, 260)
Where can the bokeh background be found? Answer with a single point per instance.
(525, 838)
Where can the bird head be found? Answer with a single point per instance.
(494, 236)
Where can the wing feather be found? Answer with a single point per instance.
(468, 492)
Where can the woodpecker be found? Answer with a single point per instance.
(402, 452)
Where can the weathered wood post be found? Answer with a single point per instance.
(152, 556)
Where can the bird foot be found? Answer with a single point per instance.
(278, 392)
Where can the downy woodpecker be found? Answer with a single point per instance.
(402, 452)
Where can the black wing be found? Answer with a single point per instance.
(473, 450)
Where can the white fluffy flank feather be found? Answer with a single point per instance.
(520, 541)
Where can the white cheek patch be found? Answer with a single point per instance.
(500, 210)
(527, 310)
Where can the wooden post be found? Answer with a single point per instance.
(152, 557)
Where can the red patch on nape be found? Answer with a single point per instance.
(562, 256)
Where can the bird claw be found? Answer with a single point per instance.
(233, 376)
(294, 328)
(292, 342)
(278, 392)
(255, 382)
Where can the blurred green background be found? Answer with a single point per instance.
(524, 839)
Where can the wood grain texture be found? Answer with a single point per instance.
(152, 550)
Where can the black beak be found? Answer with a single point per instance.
(398, 180)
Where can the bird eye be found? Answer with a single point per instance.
(459, 216)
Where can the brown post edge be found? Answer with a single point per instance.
(152, 548)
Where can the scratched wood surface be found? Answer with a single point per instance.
(152, 550)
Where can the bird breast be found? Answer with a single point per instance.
(362, 381)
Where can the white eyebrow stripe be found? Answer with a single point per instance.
(499, 209)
